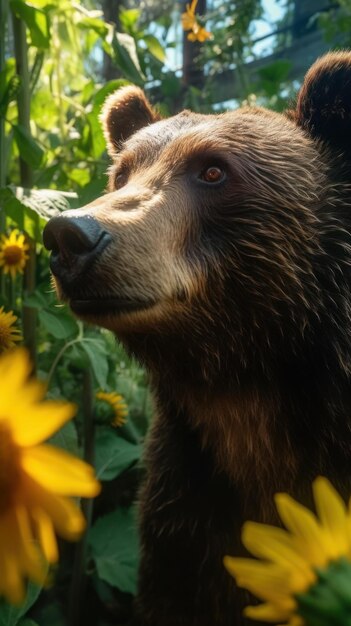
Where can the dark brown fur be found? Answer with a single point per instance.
(242, 318)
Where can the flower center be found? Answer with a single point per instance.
(9, 468)
(5, 336)
(13, 255)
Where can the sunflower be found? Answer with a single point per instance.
(8, 334)
(199, 33)
(303, 573)
(35, 479)
(190, 22)
(111, 408)
(13, 253)
(188, 17)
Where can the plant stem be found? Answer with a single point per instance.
(23, 96)
(77, 591)
(26, 177)
(3, 38)
(3, 159)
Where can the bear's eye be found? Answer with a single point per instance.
(212, 174)
(121, 179)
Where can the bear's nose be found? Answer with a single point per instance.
(75, 243)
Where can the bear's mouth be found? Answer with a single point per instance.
(107, 306)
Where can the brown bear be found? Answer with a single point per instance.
(221, 258)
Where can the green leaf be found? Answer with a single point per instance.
(126, 57)
(113, 455)
(9, 87)
(155, 48)
(36, 69)
(66, 438)
(27, 622)
(60, 325)
(46, 202)
(35, 300)
(128, 18)
(29, 149)
(273, 75)
(96, 353)
(36, 20)
(79, 175)
(114, 547)
(10, 615)
(93, 23)
(31, 209)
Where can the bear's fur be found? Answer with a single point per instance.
(227, 274)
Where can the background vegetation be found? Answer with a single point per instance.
(59, 59)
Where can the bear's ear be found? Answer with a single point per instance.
(324, 102)
(123, 113)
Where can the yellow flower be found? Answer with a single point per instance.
(293, 559)
(199, 33)
(35, 479)
(188, 17)
(189, 22)
(13, 253)
(117, 410)
(8, 334)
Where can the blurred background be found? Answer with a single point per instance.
(59, 60)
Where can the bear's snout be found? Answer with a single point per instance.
(75, 243)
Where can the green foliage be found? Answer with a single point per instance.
(113, 454)
(12, 615)
(113, 542)
(63, 148)
(336, 24)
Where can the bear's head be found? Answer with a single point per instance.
(227, 230)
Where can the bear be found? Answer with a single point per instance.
(220, 257)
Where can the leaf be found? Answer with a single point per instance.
(273, 75)
(10, 614)
(60, 325)
(79, 175)
(126, 57)
(66, 438)
(113, 455)
(27, 622)
(36, 20)
(35, 300)
(114, 546)
(46, 202)
(96, 353)
(128, 18)
(36, 69)
(8, 91)
(31, 209)
(155, 48)
(93, 23)
(29, 149)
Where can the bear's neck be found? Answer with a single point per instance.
(258, 423)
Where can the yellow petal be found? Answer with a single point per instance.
(15, 368)
(66, 517)
(332, 513)
(45, 533)
(39, 421)
(308, 535)
(28, 555)
(266, 613)
(268, 582)
(60, 472)
(272, 543)
(11, 582)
